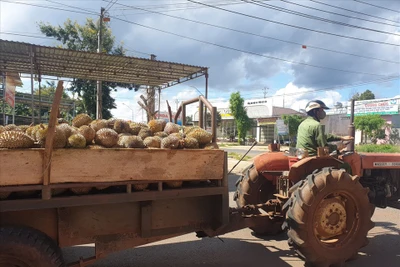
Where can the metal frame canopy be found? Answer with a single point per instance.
(63, 63)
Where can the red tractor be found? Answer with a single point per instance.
(325, 202)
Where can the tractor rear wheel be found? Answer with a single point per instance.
(329, 218)
(255, 189)
(27, 247)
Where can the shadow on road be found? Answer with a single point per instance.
(207, 252)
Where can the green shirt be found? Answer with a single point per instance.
(310, 136)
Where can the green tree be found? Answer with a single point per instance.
(370, 125)
(293, 122)
(367, 95)
(84, 38)
(243, 122)
(219, 119)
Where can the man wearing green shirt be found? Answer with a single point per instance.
(311, 135)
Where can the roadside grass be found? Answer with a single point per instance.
(228, 144)
(373, 148)
(237, 156)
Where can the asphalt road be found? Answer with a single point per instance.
(243, 149)
(241, 248)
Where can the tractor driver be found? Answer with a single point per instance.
(311, 135)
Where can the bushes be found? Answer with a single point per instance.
(373, 148)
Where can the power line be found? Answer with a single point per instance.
(294, 26)
(357, 12)
(338, 14)
(50, 7)
(112, 3)
(285, 10)
(381, 7)
(339, 87)
(258, 35)
(236, 49)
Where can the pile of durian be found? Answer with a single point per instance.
(113, 133)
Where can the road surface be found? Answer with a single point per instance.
(241, 248)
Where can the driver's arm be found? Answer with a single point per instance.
(332, 138)
(322, 140)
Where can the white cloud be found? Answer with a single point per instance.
(297, 98)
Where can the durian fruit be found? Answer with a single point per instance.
(135, 128)
(23, 128)
(1, 129)
(59, 141)
(95, 147)
(190, 142)
(179, 135)
(202, 136)
(11, 127)
(124, 134)
(88, 133)
(121, 126)
(30, 131)
(156, 125)
(143, 125)
(4, 195)
(40, 133)
(140, 187)
(68, 130)
(145, 132)
(58, 191)
(161, 134)
(111, 122)
(153, 141)
(170, 142)
(81, 119)
(15, 139)
(106, 137)
(77, 141)
(98, 124)
(61, 121)
(188, 129)
(171, 128)
(81, 190)
(210, 146)
(174, 184)
(131, 142)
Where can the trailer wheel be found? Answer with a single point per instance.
(329, 217)
(27, 247)
(255, 189)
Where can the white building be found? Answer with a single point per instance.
(263, 114)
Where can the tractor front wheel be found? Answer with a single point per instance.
(329, 217)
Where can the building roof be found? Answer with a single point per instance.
(64, 63)
(279, 111)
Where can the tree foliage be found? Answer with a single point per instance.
(370, 124)
(367, 95)
(243, 122)
(219, 119)
(293, 122)
(84, 38)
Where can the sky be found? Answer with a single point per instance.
(289, 51)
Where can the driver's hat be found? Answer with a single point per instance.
(315, 104)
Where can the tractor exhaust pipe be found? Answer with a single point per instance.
(352, 129)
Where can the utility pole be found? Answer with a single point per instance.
(99, 95)
(265, 91)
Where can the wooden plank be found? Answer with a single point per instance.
(51, 133)
(76, 201)
(21, 167)
(109, 165)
